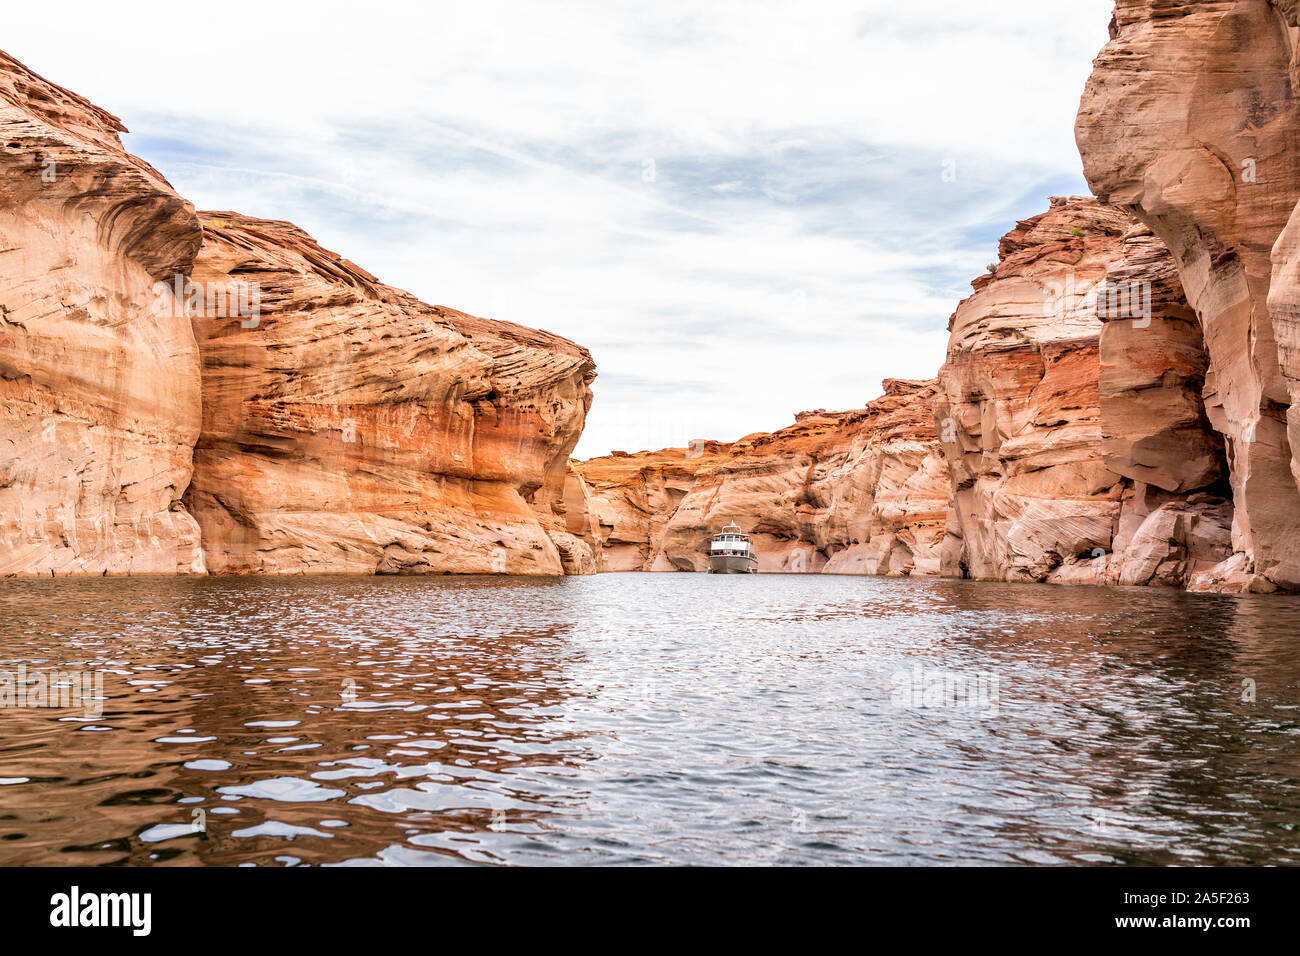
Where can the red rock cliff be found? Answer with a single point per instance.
(1051, 448)
(1076, 457)
(100, 389)
(1189, 121)
(861, 492)
(156, 370)
(351, 427)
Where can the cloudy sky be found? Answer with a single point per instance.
(740, 208)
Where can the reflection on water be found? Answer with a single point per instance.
(666, 718)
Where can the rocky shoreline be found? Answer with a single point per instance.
(1064, 440)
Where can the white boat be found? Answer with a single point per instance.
(732, 552)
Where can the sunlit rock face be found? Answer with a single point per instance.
(349, 427)
(1063, 434)
(633, 497)
(99, 375)
(858, 492)
(1019, 411)
(1189, 120)
(1284, 290)
(330, 422)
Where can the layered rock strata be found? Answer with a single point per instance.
(99, 388)
(157, 369)
(863, 492)
(1190, 122)
(1066, 440)
(1070, 412)
(351, 427)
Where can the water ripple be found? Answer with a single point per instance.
(649, 719)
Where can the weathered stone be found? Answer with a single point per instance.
(1153, 368)
(1018, 410)
(351, 427)
(860, 492)
(341, 425)
(99, 378)
(1190, 121)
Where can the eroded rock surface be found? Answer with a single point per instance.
(1070, 412)
(1153, 372)
(351, 427)
(1066, 440)
(99, 385)
(1189, 120)
(331, 423)
(863, 492)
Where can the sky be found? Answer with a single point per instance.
(744, 210)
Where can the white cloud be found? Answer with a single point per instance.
(494, 157)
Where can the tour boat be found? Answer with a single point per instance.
(731, 552)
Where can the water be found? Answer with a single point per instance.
(647, 718)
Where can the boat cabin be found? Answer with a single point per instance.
(731, 541)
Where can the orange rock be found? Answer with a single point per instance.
(99, 390)
(1057, 445)
(843, 492)
(1055, 426)
(340, 424)
(1153, 371)
(1190, 120)
(1019, 412)
(351, 427)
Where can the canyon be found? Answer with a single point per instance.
(1064, 440)
(1189, 122)
(863, 492)
(1071, 417)
(101, 401)
(350, 427)
(1116, 404)
(1117, 401)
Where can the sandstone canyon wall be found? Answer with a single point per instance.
(1116, 404)
(100, 390)
(863, 492)
(1190, 122)
(1056, 445)
(1077, 453)
(1118, 400)
(351, 427)
(186, 393)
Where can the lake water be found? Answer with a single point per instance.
(647, 718)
